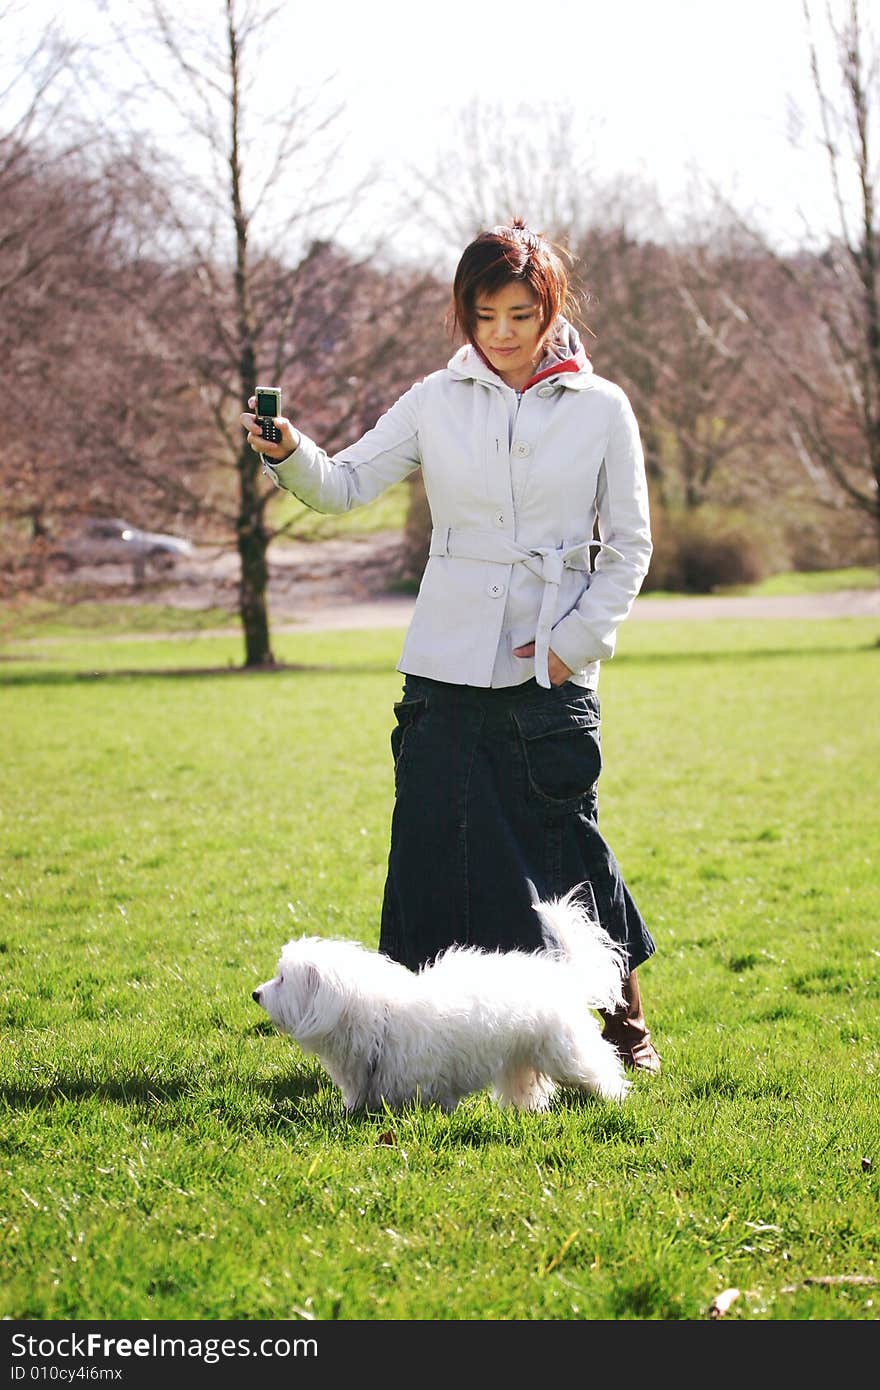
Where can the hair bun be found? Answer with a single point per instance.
(525, 234)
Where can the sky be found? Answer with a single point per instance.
(668, 84)
(655, 88)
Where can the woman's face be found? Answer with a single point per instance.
(507, 330)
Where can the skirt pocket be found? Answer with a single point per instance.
(562, 754)
(407, 714)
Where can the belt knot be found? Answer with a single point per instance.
(547, 562)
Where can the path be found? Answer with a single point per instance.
(343, 583)
(395, 610)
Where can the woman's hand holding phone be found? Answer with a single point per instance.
(286, 443)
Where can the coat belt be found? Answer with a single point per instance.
(545, 561)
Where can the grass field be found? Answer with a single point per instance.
(168, 822)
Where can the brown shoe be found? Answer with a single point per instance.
(641, 1055)
(626, 1030)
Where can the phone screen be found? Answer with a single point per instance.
(267, 403)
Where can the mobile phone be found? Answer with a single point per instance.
(268, 407)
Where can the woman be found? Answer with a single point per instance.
(525, 453)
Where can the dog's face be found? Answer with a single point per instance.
(304, 997)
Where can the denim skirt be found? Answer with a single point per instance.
(495, 789)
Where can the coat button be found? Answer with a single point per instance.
(521, 449)
(495, 590)
(546, 390)
(498, 518)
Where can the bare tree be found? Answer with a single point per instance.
(84, 363)
(210, 289)
(255, 286)
(840, 428)
(234, 310)
(814, 314)
(533, 161)
(57, 209)
(670, 330)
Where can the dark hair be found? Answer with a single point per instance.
(494, 259)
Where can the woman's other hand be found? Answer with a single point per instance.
(557, 670)
(276, 453)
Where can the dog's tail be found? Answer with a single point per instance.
(572, 933)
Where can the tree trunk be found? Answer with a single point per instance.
(251, 534)
(253, 543)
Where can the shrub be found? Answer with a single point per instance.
(698, 552)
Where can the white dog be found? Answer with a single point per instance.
(515, 1020)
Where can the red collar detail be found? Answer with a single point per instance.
(572, 364)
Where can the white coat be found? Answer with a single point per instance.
(517, 488)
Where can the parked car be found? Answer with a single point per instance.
(112, 541)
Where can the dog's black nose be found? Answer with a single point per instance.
(256, 996)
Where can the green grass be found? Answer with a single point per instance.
(168, 822)
(36, 618)
(789, 583)
(813, 582)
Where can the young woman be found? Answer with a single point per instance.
(535, 478)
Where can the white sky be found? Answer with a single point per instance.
(657, 87)
(670, 81)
